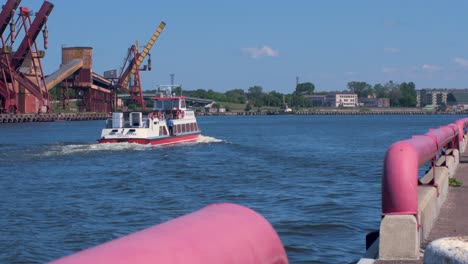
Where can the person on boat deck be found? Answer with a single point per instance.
(170, 125)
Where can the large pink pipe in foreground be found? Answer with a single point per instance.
(218, 233)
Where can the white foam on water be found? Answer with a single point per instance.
(75, 149)
(86, 148)
(206, 139)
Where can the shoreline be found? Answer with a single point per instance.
(21, 118)
(336, 112)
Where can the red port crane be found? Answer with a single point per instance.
(7, 92)
(11, 63)
(129, 79)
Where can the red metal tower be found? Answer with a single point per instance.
(129, 79)
(22, 70)
(7, 92)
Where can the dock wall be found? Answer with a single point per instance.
(20, 118)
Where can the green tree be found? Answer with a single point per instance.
(393, 93)
(177, 90)
(297, 100)
(380, 91)
(255, 95)
(407, 94)
(273, 99)
(236, 96)
(362, 89)
(248, 107)
(200, 93)
(305, 88)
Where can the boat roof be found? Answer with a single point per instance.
(173, 98)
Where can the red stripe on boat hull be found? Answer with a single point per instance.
(157, 141)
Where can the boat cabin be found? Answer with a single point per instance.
(170, 106)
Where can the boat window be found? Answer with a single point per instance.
(182, 103)
(158, 105)
(175, 104)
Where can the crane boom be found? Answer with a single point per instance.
(133, 66)
(7, 14)
(25, 46)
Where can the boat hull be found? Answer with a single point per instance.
(154, 141)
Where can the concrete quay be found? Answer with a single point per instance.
(21, 118)
(451, 222)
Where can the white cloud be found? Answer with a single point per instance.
(392, 50)
(461, 61)
(388, 70)
(265, 51)
(431, 68)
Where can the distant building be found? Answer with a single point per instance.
(437, 97)
(316, 99)
(214, 110)
(374, 102)
(211, 109)
(343, 99)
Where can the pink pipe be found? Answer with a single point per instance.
(444, 135)
(218, 233)
(400, 174)
(401, 164)
(461, 124)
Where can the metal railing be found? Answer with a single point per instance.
(403, 160)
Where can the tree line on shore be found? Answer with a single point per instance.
(403, 94)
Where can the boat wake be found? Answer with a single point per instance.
(59, 150)
(85, 148)
(206, 139)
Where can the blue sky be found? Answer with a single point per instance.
(223, 45)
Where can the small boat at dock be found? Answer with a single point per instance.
(170, 122)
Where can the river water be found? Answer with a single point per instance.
(316, 179)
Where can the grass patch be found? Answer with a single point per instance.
(454, 183)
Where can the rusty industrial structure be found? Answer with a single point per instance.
(25, 88)
(129, 79)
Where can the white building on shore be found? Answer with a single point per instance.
(343, 99)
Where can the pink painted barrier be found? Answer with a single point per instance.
(400, 174)
(218, 233)
(461, 124)
(404, 158)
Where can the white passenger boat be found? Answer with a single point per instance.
(169, 122)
